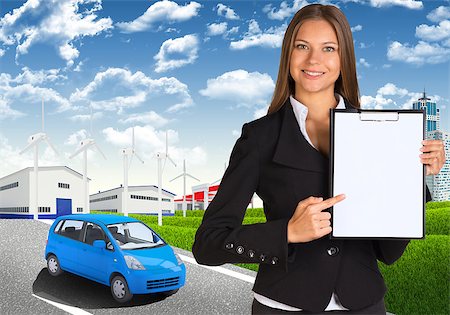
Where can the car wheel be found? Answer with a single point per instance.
(119, 289)
(53, 266)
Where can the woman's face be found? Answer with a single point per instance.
(315, 63)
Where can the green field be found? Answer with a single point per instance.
(418, 283)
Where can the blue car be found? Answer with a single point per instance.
(120, 252)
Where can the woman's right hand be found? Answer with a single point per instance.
(309, 222)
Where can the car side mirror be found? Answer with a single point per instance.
(99, 244)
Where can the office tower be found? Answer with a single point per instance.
(431, 111)
(439, 184)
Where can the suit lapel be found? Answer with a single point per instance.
(292, 149)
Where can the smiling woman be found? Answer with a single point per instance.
(283, 157)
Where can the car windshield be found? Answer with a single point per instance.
(134, 235)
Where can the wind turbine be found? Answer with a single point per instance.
(85, 144)
(160, 156)
(127, 152)
(184, 174)
(33, 141)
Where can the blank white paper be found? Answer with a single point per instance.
(377, 167)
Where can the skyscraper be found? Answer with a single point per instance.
(431, 111)
(439, 184)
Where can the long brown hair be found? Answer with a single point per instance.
(347, 83)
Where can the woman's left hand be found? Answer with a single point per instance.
(433, 156)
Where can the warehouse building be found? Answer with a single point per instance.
(141, 200)
(60, 191)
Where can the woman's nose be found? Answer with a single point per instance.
(314, 57)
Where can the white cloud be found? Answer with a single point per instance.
(161, 11)
(418, 55)
(261, 112)
(227, 12)
(241, 87)
(434, 32)
(398, 98)
(439, 14)
(410, 4)
(87, 117)
(364, 63)
(356, 28)
(149, 141)
(392, 89)
(215, 29)
(186, 46)
(284, 11)
(386, 66)
(33, 77)
(2, 52)
(59, 23)
(272, 37)
(133, 89)
(75, 138)
(6, 112)
(149, 118)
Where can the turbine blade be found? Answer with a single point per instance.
(80, 149)
(50, 145)
(167, 143)
(168, 157)
(192, 177)
(133, 139)
(98, 149)
(138, 157)
(32, 143)
(176, 177)
(42, 110)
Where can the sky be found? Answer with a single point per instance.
(196, 71)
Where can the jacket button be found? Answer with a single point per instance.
(262, 257)
(274, 260)
(239, 249)
(333, 251)
(251, 253)
(229, 246)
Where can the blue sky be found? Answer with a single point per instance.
(197, 69)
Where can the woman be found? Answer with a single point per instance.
(283, 157)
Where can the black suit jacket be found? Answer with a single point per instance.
(273, 159)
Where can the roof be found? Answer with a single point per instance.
(103, 218)
(47, 168)
(139, 186)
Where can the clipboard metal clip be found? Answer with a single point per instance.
(376, 116)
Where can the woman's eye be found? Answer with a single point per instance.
(329, 49)
(301, 46)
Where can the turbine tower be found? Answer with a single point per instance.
(184, 174)
(33, 141)
(160, 156)
(127, 152)
(85, 144)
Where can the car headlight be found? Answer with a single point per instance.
(133, 263)
(180, 262)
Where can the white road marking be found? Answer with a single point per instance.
(67, 308)
(223, 270)
(46, 221)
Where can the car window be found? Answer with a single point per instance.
(134, 235)
(71, 229)
(94, 233)
(58, 226)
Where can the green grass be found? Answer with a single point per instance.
(437, 221)
(418, 283)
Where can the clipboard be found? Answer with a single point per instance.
(374, 161)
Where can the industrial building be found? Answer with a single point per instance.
(142, 200)
(60, 191)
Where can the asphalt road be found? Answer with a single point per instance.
(24, 278)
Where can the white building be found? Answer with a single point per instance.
(60, 191)
(439, 184)
(142, 200)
